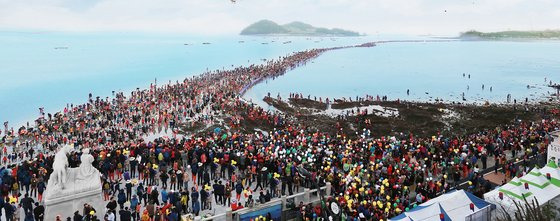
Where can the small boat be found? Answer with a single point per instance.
(186, 44)
(241, 41)
(287, 42)
(264, 43)
(61, 48)
(206, 43)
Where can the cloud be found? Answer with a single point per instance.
(224, 17)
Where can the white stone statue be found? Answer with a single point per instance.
(66, 181)
(87, 171)
(69, 188)
(60, 167)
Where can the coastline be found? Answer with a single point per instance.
(258, 81)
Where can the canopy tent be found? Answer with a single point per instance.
(535, 178)
(552, 169)
(454, 205)
(534, 185)
(516, 189)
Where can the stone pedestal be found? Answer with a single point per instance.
(67, 205)
(77, 192)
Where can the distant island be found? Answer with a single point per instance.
(267, 27)
(546, 34)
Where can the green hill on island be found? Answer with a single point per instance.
(267, 27)
(546, 34)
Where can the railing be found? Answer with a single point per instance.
(307, 196)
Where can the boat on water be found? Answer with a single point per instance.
(264, 43)
(206, 43)
(287, 42)
(60, 48)
(241, 42)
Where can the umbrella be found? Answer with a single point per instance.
(303, 172)
(217, 130)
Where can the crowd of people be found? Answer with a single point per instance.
(373, 177)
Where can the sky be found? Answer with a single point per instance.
(223, 17)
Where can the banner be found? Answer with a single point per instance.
(275, 212)
(553, 152)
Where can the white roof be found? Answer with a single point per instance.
(455, 204)
(540, 188)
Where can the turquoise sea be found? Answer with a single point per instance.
(52, 69)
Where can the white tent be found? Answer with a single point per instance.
(454, 206)
(539, 187)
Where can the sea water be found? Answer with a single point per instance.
(52, 69)
(428, 70)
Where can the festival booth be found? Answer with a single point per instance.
(456, 205)
(540, 184)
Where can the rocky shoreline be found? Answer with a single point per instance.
(418, 118)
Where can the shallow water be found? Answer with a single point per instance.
(429, 70)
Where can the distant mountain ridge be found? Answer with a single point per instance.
(546, 34)
(267, 27)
